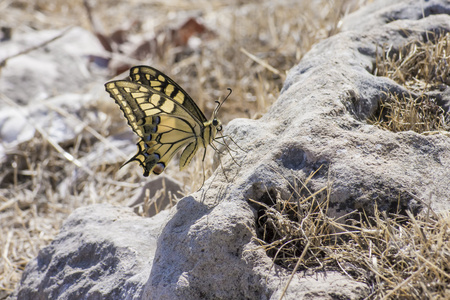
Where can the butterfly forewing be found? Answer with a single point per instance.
(163, 116)
(138, 101)
(159, 81)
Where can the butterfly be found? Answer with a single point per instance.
(165, 118)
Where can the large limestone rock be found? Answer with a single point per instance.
(99, 254)
(205, 248)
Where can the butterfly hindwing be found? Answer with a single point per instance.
(166, 135)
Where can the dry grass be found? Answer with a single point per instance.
(424, 69)
(252, 46)
(398, 256)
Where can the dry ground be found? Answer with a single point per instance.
(247, 46)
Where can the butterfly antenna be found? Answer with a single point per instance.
(219, 104)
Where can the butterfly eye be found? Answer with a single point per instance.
(216, 124)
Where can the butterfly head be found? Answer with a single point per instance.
(217, 124)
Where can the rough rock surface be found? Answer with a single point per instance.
(205, 250)
(99, 254)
